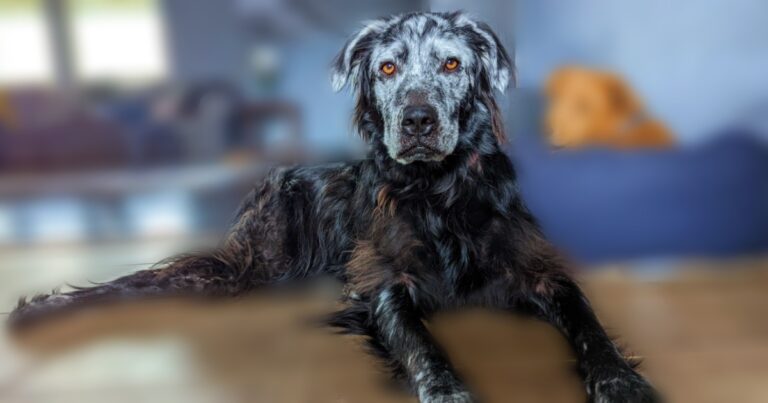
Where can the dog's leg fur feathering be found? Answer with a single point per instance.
(240, 264)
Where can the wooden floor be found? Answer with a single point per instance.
(702, 332)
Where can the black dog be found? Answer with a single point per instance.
(431, 220)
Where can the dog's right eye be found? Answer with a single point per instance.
(388, 68)
(451, 64)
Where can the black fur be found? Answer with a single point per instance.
(408, 240)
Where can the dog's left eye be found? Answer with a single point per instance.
(388, 68)
(451, 64)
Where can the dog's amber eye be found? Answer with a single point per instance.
(451, 64)
(388, 68)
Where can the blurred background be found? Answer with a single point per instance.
(130, 129)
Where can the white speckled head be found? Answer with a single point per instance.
(414, 73)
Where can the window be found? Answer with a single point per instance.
(117, 40)
(25, 51)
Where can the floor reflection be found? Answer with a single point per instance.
(701, 332)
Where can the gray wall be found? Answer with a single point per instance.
(205, 39)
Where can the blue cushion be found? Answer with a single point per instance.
(606, 205)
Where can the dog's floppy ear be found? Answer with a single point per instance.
(621, 95)
(346, 66)
(495, 61)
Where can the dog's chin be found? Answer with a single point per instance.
(419, 154)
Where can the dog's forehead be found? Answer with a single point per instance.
(422, 37)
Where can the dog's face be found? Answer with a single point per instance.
(416, 72)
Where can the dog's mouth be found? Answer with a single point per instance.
(420, 152)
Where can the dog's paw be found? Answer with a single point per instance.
(625, 386)
(455, 397)
(30, 311)
(446, 388)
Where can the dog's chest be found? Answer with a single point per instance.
(462, 220)
(453, 238)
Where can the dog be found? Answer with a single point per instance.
(430, 221)
(590, 108)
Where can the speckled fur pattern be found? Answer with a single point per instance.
(409, 238)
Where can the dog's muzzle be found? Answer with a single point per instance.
(419, 133)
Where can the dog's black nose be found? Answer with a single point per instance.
(419, 120)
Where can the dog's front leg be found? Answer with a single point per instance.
(402, 333)
(608, 375)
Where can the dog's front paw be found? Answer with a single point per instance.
(624, 386)
(454, 397)
(443, 389)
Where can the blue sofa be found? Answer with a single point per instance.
(604, 205)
